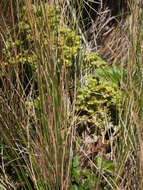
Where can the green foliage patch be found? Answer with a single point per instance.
(98, 101)
(20, 53)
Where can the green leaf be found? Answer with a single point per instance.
(75, 162)
(75, 187)
(76, 175)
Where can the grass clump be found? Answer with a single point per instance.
(68, 119)
(34, 123)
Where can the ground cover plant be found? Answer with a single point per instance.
(71, 95)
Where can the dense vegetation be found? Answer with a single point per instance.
(71, 95)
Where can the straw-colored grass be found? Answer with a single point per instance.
(39, 146)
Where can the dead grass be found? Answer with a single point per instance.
(36, 147)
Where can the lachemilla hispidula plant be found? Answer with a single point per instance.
(98, 96)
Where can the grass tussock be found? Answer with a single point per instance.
(70, 119)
